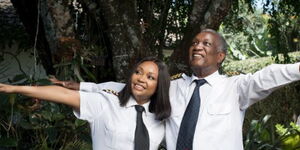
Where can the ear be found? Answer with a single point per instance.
(221, 57)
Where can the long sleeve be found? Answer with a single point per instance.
(254, 87)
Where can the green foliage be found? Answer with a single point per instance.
(177, 21)
(252, 31)
(263, 136)
(27, 123)
(290, 136)
(254, 64)
(246, 33)
(84, 66)
(260, 136)
(284, 27)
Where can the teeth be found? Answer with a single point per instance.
(197, 55)
(139, 87)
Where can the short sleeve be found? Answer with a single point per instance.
(92, 105)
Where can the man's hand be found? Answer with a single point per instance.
(67, 84)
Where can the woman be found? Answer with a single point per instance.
(114, 118)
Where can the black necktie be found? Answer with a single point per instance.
(189, 121)
(141, 137)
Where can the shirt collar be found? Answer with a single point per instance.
(211, 79)
(131, 102)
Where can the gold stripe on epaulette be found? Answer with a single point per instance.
(176, 76)
(233, 73)
(111, 91)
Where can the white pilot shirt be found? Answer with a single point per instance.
(113, 126)
(223, 104)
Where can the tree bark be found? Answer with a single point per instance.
(124, 33)
(59, 29)
(28, 15)
(55, 38)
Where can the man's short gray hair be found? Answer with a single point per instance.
(223, 44)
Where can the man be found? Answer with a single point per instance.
(222, 101)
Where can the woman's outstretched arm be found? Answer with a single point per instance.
(55, 94)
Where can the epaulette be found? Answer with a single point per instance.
(233, 73)
(176, 76)
(111, 91)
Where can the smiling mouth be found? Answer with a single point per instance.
(197, 56)
(139, 87)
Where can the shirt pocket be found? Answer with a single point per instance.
(219, 117)
(116, 136)
(219, 109)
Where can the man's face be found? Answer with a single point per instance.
(203, 52)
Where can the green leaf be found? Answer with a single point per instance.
(58, 116)
(280, 129)
(90, 74)
(52, 133)
(47, 115)
(266, 118)
(79, 123)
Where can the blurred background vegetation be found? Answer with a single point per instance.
(84, 40)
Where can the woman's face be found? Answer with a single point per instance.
(144, 81)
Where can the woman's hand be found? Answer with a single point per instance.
(5, 88)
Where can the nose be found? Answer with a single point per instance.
(199, 46)
(142, 78)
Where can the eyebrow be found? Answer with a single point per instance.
(139, 68)
(152, 73)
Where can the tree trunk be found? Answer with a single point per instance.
(55, 36)
(125, 38)
(58, 27)
(27, 12)
(124, 33)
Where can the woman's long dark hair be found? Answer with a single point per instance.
(159, 101)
